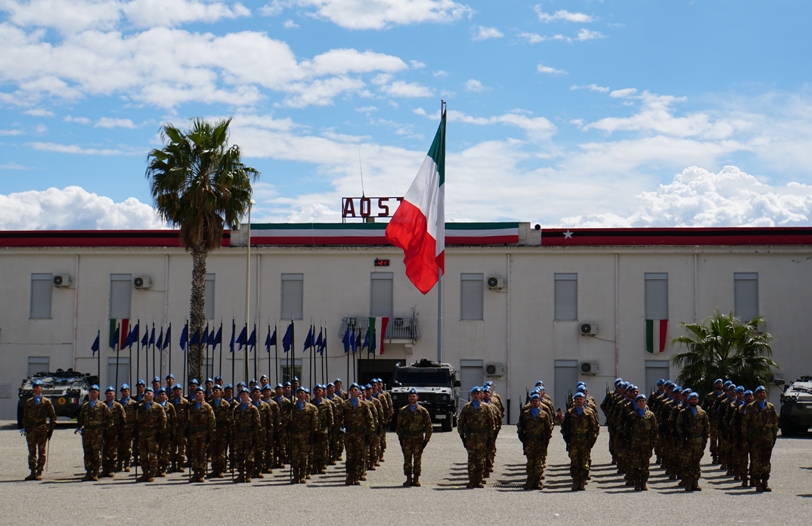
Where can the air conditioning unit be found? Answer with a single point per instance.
(62, 280)
(590, 368)
(352, 323)
(588, 328)
(494, 369)
(398, 323)
(495, 283)
(142, 282)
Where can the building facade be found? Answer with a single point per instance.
(519, 304)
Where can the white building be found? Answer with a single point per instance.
(548, 284)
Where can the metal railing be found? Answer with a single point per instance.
(398, 328)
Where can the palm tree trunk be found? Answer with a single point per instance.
(197, 309)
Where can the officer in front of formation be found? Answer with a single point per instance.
(94, 418)
(535, 428)
(414, 432)
(39, 422)
(150, 423)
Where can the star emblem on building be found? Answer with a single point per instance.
(568, 234)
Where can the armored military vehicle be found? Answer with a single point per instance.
(67, 390)
(438, 390)
(796, 407)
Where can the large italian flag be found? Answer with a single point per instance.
(377, 332)
(655, 335)
(418, 226)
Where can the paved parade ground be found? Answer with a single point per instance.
(61, 498)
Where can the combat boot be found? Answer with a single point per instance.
(416, 481)
(643, 486)
(86, 477)
(764, 485)
(695, 486)
(759, 485)
(94, 476)
(581, 485)
(32, 476)
(745, 482)
(240, 478)
(637, 486)
(39, 474)
(575, 484)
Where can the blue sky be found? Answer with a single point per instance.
(566, 113)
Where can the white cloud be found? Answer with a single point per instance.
(12, 166)
(39, 112)
(440, 73)
(480, 33)
(474, 85)
(73, 208)
(366, 109)
(621, 93)
(107, 122)
(586, 34)
(407, 90)
(541, 68)
(72, 148)
(377, 14)
(80, 120)
(41, 128)
(10, 132)
(416, 64)
(697, 197)
(419, 111)
(591, 87)
(290, 24)
(563, 15)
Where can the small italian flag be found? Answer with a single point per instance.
(377, 332)
(655, 335)
(418, 226)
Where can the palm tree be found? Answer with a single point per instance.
(199, 183)
(724, 347)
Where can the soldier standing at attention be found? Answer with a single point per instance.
(337, 433)
(272, 429)
(126, 441)
(246, 424)
(358, 423)
(535, 428)
(497, 421)
(151, 422)
(177, 450)
(761, 428)
(165, 443)
(281, 437)
(321, 445)
(261, 432)
(693, 427)
(643, 435)
(708, 406)
(201, 428)
(476, 427)
(744, 457)
(414, 432)
(39, 421)
(303, 425)
(113, 432)
(94, 419)
(170, 382)
(380, 428)
(580, 432)
(219, 441)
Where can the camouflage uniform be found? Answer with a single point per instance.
(389, 411)
(126, 441)
(150, 424)
(336, 434)
(270, 435)
(580, 432)
(39, 421)
(359, 423)
(476, 428)
(414, 432)
(112, 435)
(761, 428)
(534, 432)
(321, 446)
(694, 430)
(303, 425)
(709, 406)
(177, 450)
(260, 438)
(220, 438)
(737, 451)
(165, 444)
(245, 426)
(374, 455)
(742, 446)
(643, 437)
(94, 419)
(491, 457)
(282, 438)
(201, 427)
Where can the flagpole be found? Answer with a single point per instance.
(118, 352)
(255, 351)
(275, 354)
(247, 283)
(325, 363)
(231, 350)
(98, 358)
(138, 350)
(220, 369)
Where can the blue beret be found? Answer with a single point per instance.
(161, 390)
(578, 395)
(748, 392)
(218, 379)
(639, 397)
(537, 389)
(140, 382)
(412, 391)
(253, 381)
(170, 375)
(337, 380)
(123, 386)
(581, 388)
(287, 384)
(209, 380)
(355, 385)
(177, 387)
(263, 376)
(693, 395)
(279, 386)
(267, 387)
(539, 383)
(295, 378)
(718, 381)
(240, 384)
(217, 386)
(727, 382)
(618, 381)
(660, 381)
(675, 389)
(245, 390)
(367, 386)
(109, 389)
(36, 383)
(759, 389)
(668, 383)
(740, 389)
(194, 381)
(256, 388)
(488, 383)
(301, 390)
(581, 383)
(156, 379)
(200, 390)
(331, 384)
(148, 390)
(94, 387)
(731, 386)
(475, 389)
(534, 396)
(228, 386)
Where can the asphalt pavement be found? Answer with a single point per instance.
(61, 498)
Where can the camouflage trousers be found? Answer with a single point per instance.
(281, 447)
(110, 450)
(319, 453)
(92, 440)
(125, 448)
(412, 448)
(579, 451)
(148, 446)
(761, 450)
(639, 460)
(336, 445)
(374, 450)
(198, 448)
(383, 441)
(535, 451)
(243, 451)
(355, 444)
(744, 458)
(724, 449)
(299, 452)
(692, 452)
(218, 446)
(476, 446)
(269, 454)
(259, 453)
(37, 439)
(177, 450)
(714, 438)
(164, 450)
(491, 454)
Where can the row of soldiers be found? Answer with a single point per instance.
(479, 424)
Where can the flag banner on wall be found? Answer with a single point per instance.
(122, 333)
(656, 335)
(377, 333)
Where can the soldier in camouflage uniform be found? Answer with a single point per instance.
(337, 432)
(497, 420)
(735, 430)
(272, 429)
(693, 427)
(177, 456)
(414, 432)
(282, 438)
(94, 419)
(165, 444)
(742, 469)
(39, 422)
(150, 424)
(358, 423)
(761, 428)
(303, 426)
(220, 438)
(374, 449)
(724, 407)
(476, 428)
(709, 405)
(246, 424)
(608, 405)
(112, 433)
(580, 433)
(388, 410)
(321, 447)
(201, 428)
(535, 428)
(126, 441)
(260, 436)
(643, 435)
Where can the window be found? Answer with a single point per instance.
(380, 302)
(292, 297)
(122, 376)
(471, 296)
(42, 285)
(745, 295)
(121, 289)
(656, 296)
(566, 297)
(209, 296)
(38, 364)
(285, 369)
